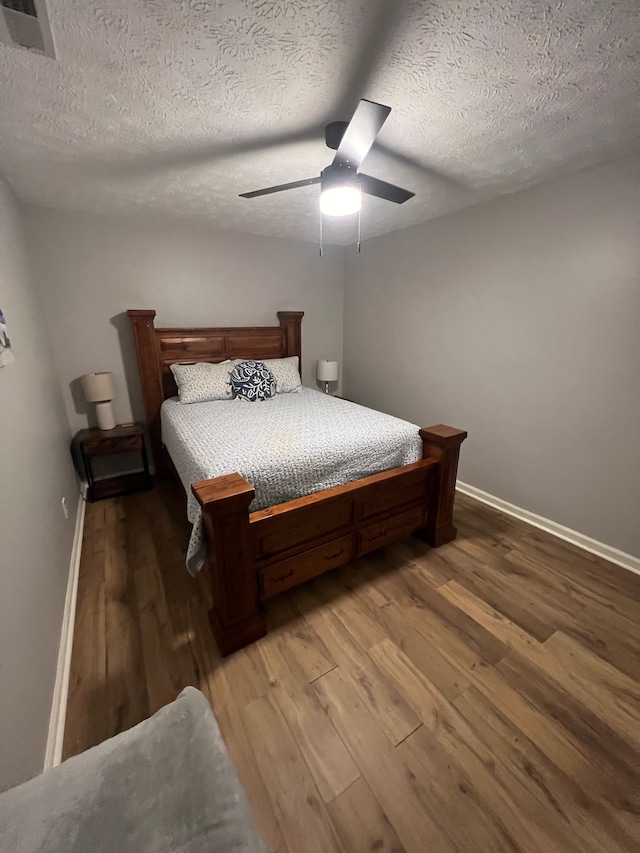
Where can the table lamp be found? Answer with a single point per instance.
(98, 389)
(327, 371)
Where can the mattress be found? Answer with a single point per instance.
(286, 447)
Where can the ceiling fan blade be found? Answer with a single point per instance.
(307, 182)
(381, 189)
(361, 133)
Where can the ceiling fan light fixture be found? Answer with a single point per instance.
(340, 201)
(341, 182)
(340, 192)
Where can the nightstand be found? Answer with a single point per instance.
(124, 438)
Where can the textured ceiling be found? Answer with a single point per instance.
(176, 106)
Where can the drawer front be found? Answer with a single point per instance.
(389, 496)
(281, 576)
(107, 446)
(274, 535)
(379, 534)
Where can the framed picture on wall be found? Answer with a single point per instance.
(6, 356)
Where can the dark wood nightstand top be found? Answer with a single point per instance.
(119, 431)
(125, 438)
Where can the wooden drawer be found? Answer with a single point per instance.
(276, 534)
(388, 497)
(281, 576)
(107, 446)
(379, 534)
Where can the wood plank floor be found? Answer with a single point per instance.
(480, 697)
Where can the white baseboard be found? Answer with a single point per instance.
(53, 754)
(613, 555)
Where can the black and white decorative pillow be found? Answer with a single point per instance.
(252, 381)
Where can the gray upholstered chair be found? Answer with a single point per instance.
(165, 786)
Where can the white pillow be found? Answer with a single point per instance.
(199, 383)
(286, 373)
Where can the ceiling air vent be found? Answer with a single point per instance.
(25, 23)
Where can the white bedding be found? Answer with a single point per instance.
(286, 447)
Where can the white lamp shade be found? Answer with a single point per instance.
(98, 387)
(327, 371)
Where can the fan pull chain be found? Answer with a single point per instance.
(321, 234)
(359, 220)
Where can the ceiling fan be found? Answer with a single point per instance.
(341, 184)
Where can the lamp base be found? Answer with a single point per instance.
(326, 387)
(104, 411)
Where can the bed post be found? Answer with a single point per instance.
(290, 323)
(144, 335)
(236, 617)
(441, 443)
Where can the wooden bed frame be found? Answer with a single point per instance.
(253, 556)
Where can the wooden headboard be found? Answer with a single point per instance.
(158, 349)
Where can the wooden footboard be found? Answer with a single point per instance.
(252, 556)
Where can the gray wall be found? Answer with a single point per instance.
(35, 538)
(92, 268)
(518, 320)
